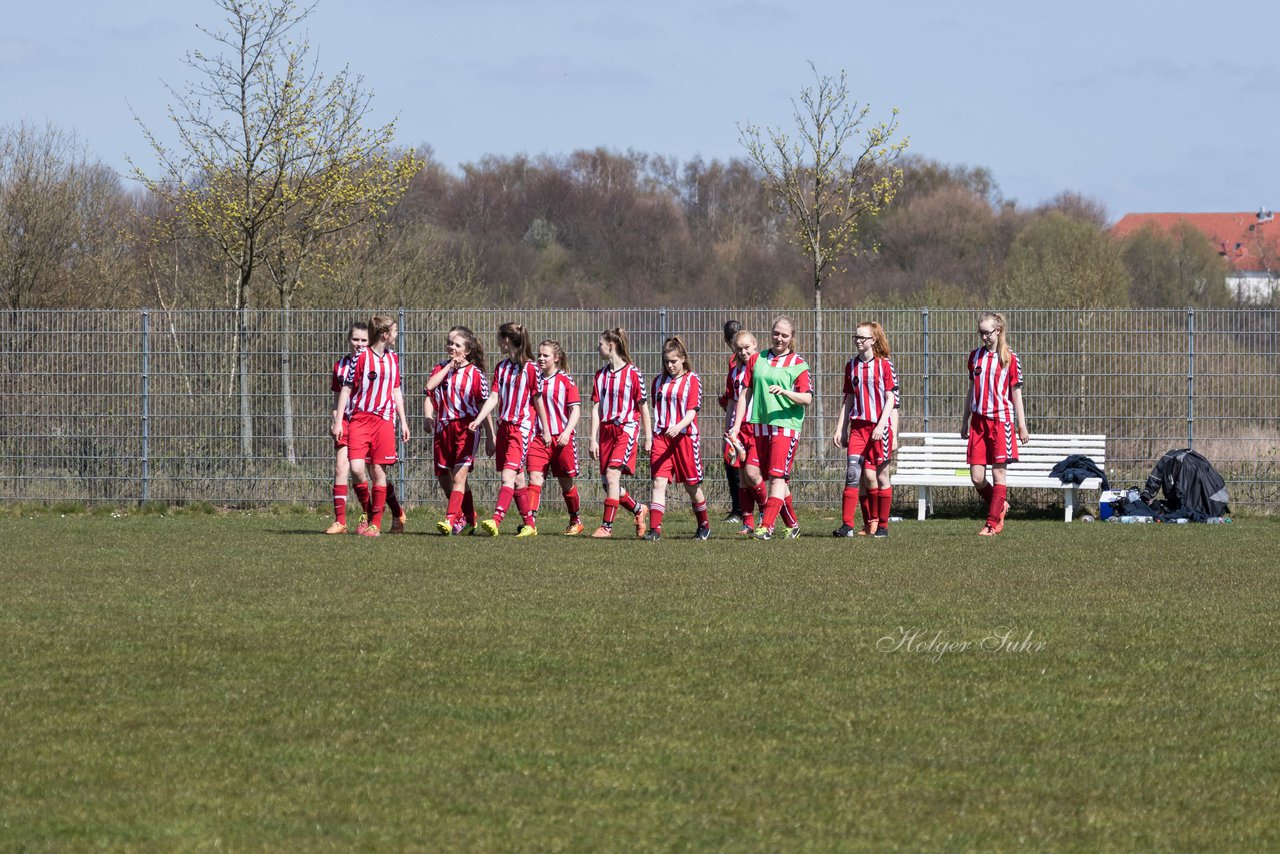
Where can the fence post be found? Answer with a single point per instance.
(924, 320)
(1191, 376)
(403, 491)
(662, 326)
(146, 406)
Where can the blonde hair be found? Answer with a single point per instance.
(379, 326)
(782, 318)
(737, 338)
(1003, 353)
(880, 341)
(518, 338)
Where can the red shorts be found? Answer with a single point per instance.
(372, 438)
(861, 444)
(776, 454)
(554, 459)
(618, 446)
(513, 446)
(678, 460)
(343, 440)
(454, 445)
(991, 441)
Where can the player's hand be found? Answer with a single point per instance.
(672, 431)
(775, 389)
(964, 430)
(335, 430)
(563, 439)
(877, 433)
(839, 440)
(593, 450)
(1023, 436)
(547, 438)
(404, 432)
(490, 447)
(474, 426)
(648, 444)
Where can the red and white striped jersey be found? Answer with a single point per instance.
(461, 395)
(517, 385)
(869, 382)
(619, 394)
(673, 398)
(993, 384)
(340, 369)
(373, 377)
(560, 393)
(735, 383)
(803, 384)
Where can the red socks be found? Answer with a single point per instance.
(340, 503)
(393, 504)
(996, 508)
(379, 504)
(884, 501)
(522, 504)
(534, 500)
(505, 494)
(573, 504)
(627, 502)
(849, 505)
(468, 507)
(454, 513)
(610, 511)
(656, 512)
(771, 509)
(362, 495)
(747, 498)
(699, 513)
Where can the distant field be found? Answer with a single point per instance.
(190, 681)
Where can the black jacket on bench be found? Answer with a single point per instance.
(1076, 469)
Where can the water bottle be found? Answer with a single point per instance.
(1179, 521)
(1217, 520)
(1086, 518)
(895, 518)
(1131, 520)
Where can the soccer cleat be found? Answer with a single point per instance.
(653, 536)
(869, 528)
(845, 531)
(464, 530)
(881, 534)
(397, 524)
(794, 533)
(362, 526)
(703, 533)
(988, 531)
(603, 533)
(488, 528)
(370, 531)
(642, 520)
(746, 531)
(445, 527)
(527, 531)
(336, 528)
(732, 518)
(763, 534)
(575, 529)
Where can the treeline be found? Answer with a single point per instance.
(591, 229)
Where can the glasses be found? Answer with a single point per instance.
(863, 338)
(986, 333)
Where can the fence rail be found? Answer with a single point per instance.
(126, 406)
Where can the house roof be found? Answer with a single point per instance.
(1248, 241)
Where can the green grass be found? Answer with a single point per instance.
(190, 680)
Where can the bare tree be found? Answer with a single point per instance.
(273, 164)
(834, 170)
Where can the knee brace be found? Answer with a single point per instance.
(853, 471)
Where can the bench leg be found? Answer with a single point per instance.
(922, 500)
(1069, 499)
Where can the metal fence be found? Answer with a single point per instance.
(127, 406)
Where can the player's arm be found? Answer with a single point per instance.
(490, 404)
(968, 410)
(646, 424)
(344, 397)
(840, 438)
(593, 447)
(886, 415)
(575, 414)
(437, 377)
(540, 406)
(740, 413)
(398, 396)
(679, 427)
(1020, 414)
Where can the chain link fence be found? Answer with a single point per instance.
(127, 406)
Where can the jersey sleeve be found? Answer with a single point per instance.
(890, 377)
(1015, 371)
(803, 383)
(695, 392)
(353, 368)
(637, 386)
(480, 383)
(533, 378)
(395, 357)
(437, 369)
(595, 388)
(335, 379)
(848, 377)
(571, 397)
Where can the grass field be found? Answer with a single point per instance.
(239, 681)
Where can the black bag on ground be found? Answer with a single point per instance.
(1191, 485)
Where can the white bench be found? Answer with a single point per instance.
(926, 460)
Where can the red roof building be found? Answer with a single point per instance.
(1250, 243)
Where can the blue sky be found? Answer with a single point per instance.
(1144, 106)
